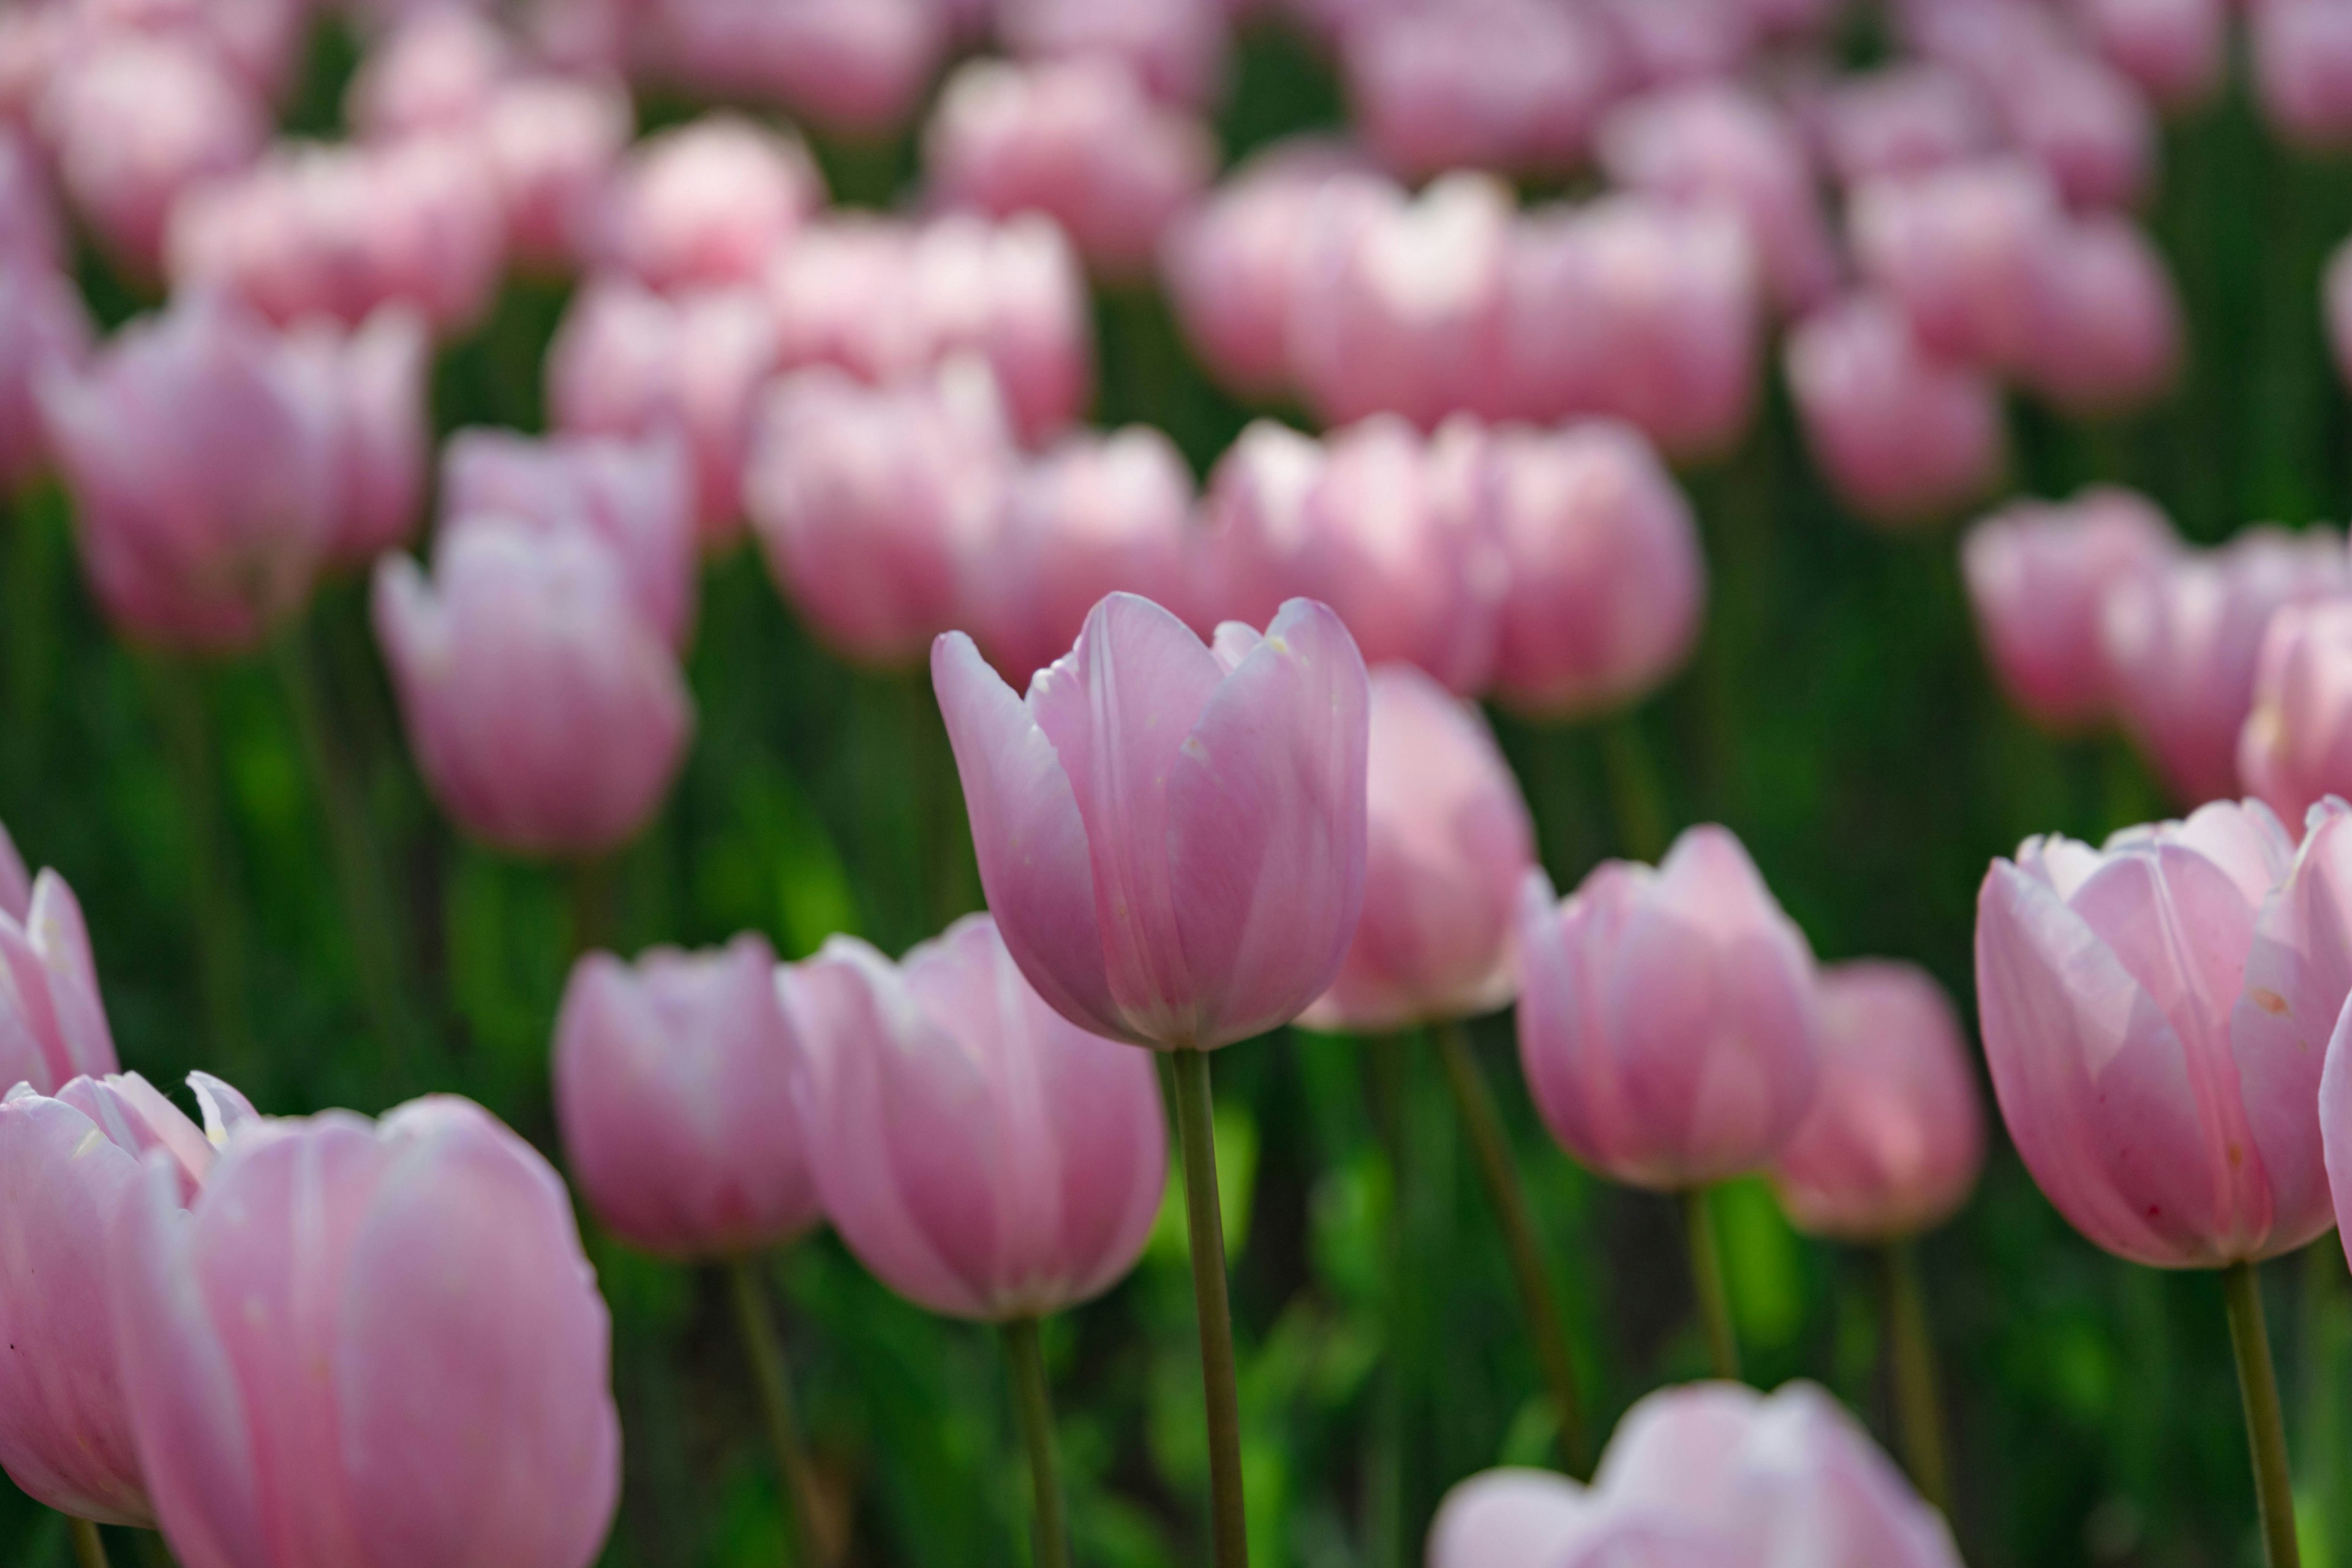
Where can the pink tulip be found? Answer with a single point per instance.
(1903, 120)
(1604, 580)
(2335, 307)
(1726, 145)
(554, 144)
(1966, 251)
(627, 361)
(1098, 514)
(636, 497)
(66, 1164)
(1903, 436)
(1662, 42)
(371, 383)
(547, 716)
(2295, 747)
(1449, 840)
(980, 1154)
(32, 230)
(2302, 68)
(203, 474)
(858, 68)
(1397, 302)
(1175, 47)
(44, 332)
(2153, 1013)
(260, 42)
(16, 882)
(844, 295)
(674, 1089)
(2184, 644)
(708, 202)
(1510, 1518)
(1013, 293)
(2112, 330)
(2039, 574)
(437, 70)
(1498, 84)
(52, 1018)
(1171, 835)
(1076, 140)
(368, 1343)
(1895, 1137)
(2084, 121)
(1667, 1020)
(868, 501)
(2175, 49)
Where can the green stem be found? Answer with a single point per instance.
(1918, 1406)
(596, 905)
(1634, 791)
(1384, 1465)
(1196, 1132)
(88, 1546)
(2265, 1427)
(1474, 1099)
(1707, 1277)
(219, 915)
(766, 1350)
(1033, 1398)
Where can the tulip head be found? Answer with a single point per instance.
(707, 203)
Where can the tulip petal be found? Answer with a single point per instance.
(56, 927)
(1510, 1518)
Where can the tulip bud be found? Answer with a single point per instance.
(1510, 1518)
(554, 145)
(2302, 68)
(1964, 251)
(52, 1018)
(855, 68)
(1667, 1020)
(842, 294)
(2112, 328)
(2083, 122)
(708, 202)
(547, 716)
(2296, 746)
(44, 332)
(373, 383)
(1176, 48)
(1171, 835)
(437, 70)
(985, 1157)
(2175, 49)
(396, 1317)
(1903, 120)
(1010, 292)
(258, 42)
(1501, 84)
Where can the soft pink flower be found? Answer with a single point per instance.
(1013, 293)
(44, 332)
(2296, 746)
(1511, 1518)
(16, 882)
(707, 203)
(1966, 251)
(2302, 68)
(32, 230)
(1666, 42)
(2111, 328)
(553, 143)
(2084, 121)
(1175, 47)
(371, 383)
(1902, 119)
(437, 70)
(260, 42)
(2175, 49)
(52, 1019)
(844, 294)
(858, 68)
(1498, 84)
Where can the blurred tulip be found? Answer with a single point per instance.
(32, 230)
(1667, 1020)
(2111, 327)
(1662, 42)
(1013, 293)
(1902, 436)
(708, 202)
(674, 1090)
(44, 334)
(1902, 119)
(260, 42)
(437, 70)
(1175, 47)
(1507, 85)
(2184, 643)
(1076, 140)
(371, 383)
(2302, 68)
(856, 67)
(1511, 1518)
(868, 501)
(66, 1163)
(844, 295)
(1449, 840)
(2153, 1013)
(635, 497)
(2039, 574)
(1171, 835)
(2086, 123)
(984, 1156)
(1604, 580)
(627, 361)
(16, 882)
(203, 473)
(52, 1019)
(2175, 49)
(554, 144)
(368, 1343)
(547, 716)
(2296, 746)
(1964, 250)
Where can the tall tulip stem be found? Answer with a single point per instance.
(1474, 1099)
(595, 914)
(1196, 1132)
(1707, 1277)
(1033, 1398)
(1636, 792)
(1918, 1403)
(219, 916)
(766, 1350)
(88, 1546)
(2265, 1427)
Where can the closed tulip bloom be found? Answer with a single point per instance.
(844, 294)
(437, 70)
(1176, 48)
(674, 1090)
(1013, 293)
(1510, 1518)
(2154, 1015)
(2112, 325)
(371, 381)
(1964, 251)
(2086, 123)
(868, 501)
(44, 332)
(16, 882)
(2039, 574)
(204, 476)
(1604, 581)
(1903, 436)
(635, 497)
(1902, 119)
(32, 230)
(1499, 84)
(1667, 1020)
(2184, 644)
(2302, 68)
(66, 1163)
(1662, 42)
(259, 41)
(2296, 746)
(368, 1343)
(708, 202)
(2175, 49)
(553, 143)
(855, 68)
(548, 718)
(1895, 1137)
(980, 1154)
(1449, 840)
(1171, 835)
(52, 1019)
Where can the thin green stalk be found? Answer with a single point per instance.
(1033, 1396)
(88, 1546)
(218, 913)
(2265, 1426)
(1196, 1133)
(1634, 789)
(765, 1347)
(1707, 1277)
(596, 905)
(1918, 1404)
(1474, 1099)
(1384, 1465)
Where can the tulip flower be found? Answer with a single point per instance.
(2302, 70)
(2296, 748)
(430, 1265)
(16, 882)
(1902, 119)
(2086, 123)
(1669, 1030)
(2153, 1013)
(2184, 644)
(372, 381)
(44, 332)
(1174, 47)
(554, 144)
(855, 68)
(981, 1153)
(707, 203)
(438, 70)
(1501, 84)
(66, 1163)
(2112, 327)
(32, 230)
(1964, 251)
(547, 716)
(1013, 293)
(52, 1019)
(2038, 575)
(1662, 42)
(842, 295)
(2175, 49)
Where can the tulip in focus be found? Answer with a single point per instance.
(548, 717)
(1506, 85)
(16, 882)
(44, 332)
(2296, 747)
(708, 202)
(52, 1019)
(395, 1316)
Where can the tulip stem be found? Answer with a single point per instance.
(1707, 1277)
(2265, 1427)
(1196, 1132)
(1634, 789)
(1033, 1398)
(1474, 1099)
(1918, 1404)
(88, 1546)
(766, 1349)
(220, 935)
(595, 917)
